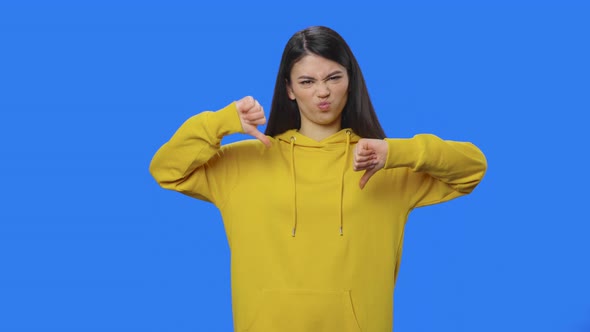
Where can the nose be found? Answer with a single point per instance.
(323, 90)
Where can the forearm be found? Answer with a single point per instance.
(461, 165)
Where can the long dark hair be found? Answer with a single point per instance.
(358, 113)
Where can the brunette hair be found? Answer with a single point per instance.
(358, 113)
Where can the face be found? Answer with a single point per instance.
(320, 88)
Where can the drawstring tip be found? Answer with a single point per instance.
(293, 233)
(341, 231)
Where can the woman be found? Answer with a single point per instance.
(315, 245)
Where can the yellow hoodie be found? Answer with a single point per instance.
(310, 250)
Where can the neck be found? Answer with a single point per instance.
(319, 132)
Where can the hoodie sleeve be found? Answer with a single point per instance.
(182, 163)
(440, 170)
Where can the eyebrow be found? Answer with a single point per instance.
(313, 78)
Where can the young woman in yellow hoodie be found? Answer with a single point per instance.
(314, 210)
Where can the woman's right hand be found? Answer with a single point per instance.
(252, 115)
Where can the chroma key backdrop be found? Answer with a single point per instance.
(90, 90)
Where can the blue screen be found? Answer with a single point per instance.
(90, 90)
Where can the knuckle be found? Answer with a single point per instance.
(250, 101)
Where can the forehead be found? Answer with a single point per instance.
(314, 65)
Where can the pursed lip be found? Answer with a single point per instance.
(323, 105)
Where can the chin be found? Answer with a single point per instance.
(328, 122)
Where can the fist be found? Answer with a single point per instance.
(251, 116)
(369, 156)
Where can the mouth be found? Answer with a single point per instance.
(324, 106)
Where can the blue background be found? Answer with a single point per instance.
(89, 242)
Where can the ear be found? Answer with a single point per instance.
(289, 90)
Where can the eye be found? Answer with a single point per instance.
(334, 78)
(306, 82)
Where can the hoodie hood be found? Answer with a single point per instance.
(338, 141)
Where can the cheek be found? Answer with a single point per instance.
(300, 100)
(343, 91)
(304, 95)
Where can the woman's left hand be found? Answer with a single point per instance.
(369, 156)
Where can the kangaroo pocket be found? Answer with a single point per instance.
(296, 310)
